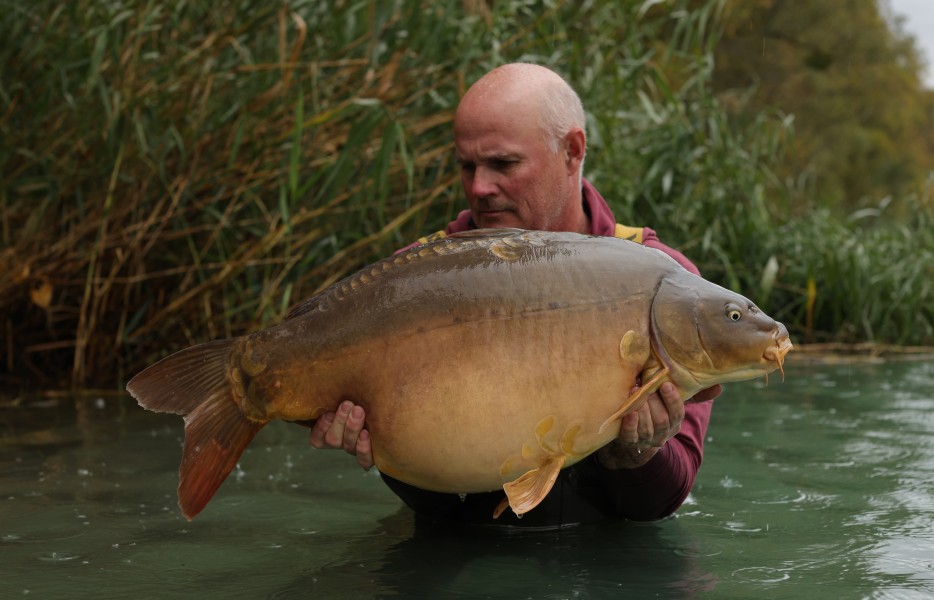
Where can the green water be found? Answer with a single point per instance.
(819, 486)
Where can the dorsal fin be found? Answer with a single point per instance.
(470, 233)
(486, 233)
(305, 306)
(474, 235)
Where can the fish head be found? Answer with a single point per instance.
(706, 334)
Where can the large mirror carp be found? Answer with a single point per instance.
(490, 359)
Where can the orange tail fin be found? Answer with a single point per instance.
(193, 383)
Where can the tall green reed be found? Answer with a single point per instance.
(175, 173)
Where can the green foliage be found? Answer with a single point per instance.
(173, 173)
(873, 279)
(851, 79)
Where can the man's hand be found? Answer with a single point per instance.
(643, 432)
(344, 429)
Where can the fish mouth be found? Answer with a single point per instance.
(776, 353)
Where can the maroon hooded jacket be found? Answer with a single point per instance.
(587, 491)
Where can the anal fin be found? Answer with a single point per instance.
(526, 492)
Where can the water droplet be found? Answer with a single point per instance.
(730, 483)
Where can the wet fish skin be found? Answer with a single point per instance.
(489, 359)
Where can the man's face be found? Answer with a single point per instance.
(511, 177)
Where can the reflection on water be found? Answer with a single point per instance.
(824, 480)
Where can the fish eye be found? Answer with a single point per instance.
(734, 314)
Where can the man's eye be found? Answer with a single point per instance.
(501, 164)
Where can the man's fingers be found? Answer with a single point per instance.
(661, 423)
(364, 450)
(646, 424)
(674, 405)
(670, 413)
(344, 429)
(352, 428)
(335, 435)
(629, 428)
(320, 429)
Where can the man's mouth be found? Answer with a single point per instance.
(492, 215)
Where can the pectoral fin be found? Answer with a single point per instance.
(634, 401)
(526, 492)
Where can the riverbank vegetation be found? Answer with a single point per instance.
(177, 172)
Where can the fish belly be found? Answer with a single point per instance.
(465, 409)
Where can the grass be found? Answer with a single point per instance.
(177, 173)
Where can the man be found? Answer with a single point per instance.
(520, 142)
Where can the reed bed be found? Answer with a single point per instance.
(177, 172)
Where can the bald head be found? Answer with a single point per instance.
(520, 142)
(529, 92)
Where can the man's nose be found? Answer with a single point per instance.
(483, 183)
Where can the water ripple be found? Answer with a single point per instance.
(58, 557)
(740, 527)
(761, 575)
(706, 550)
(799, 500)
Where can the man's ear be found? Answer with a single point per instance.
(575, 142)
